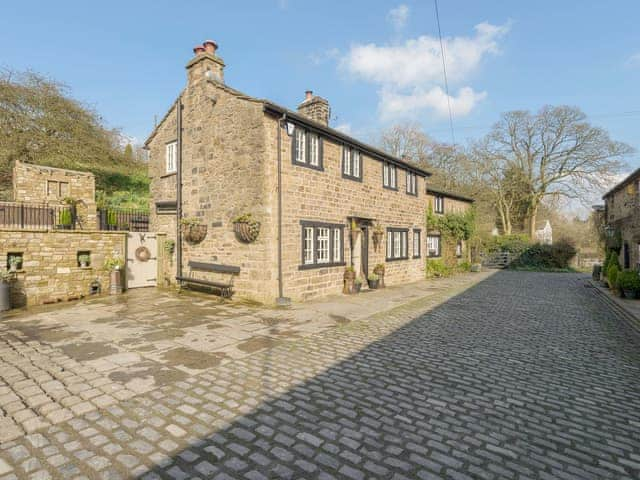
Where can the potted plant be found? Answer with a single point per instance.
(193, 230)
(84, 259)
(629, 284)
(379, 271)
(246, 228)
(114, 266)
(378, 234)
(15, 263)
(373, 281)
(349, 280)
(5, 290)
(169, 246)
(357, 285)
(612, 277)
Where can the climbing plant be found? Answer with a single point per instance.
(458, 226)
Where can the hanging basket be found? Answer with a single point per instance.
(194, 233)
(247, 231)
(377, 239)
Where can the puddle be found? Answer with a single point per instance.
(38, 332)
(193, 359)
(257, 343)
(166, 334)
(88, 350)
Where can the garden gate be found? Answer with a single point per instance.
(142, 259)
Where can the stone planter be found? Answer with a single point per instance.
(194, 233)
(349, 282)
(357, 287)
(5, 297)
(247, 232)
(476, 267)
(115, 282)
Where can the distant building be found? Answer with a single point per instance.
(545, 234)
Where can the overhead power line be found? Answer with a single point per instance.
(444, 73)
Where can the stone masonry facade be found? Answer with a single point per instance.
(47, 185)
(623, 215)
(231, 165)
(450, 253)
(50, 270)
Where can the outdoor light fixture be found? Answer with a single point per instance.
(290, 128)
(609, 231)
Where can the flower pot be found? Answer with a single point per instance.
(84, 264)
(247, 231)
(13, 268)
(373, 284)
(357, 287)
(5, 298)
(194, 233)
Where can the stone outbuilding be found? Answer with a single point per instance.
(278, 193)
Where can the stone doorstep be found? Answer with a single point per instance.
(620, 307)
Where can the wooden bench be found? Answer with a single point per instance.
(226, 288)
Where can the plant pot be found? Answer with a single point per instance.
(629, 293)
(13, 268)
(374, 284)
(476, 267)
(194, 233)
(349, 281)
(247, 231)
(5, 297)
(84, 264)
(115, 282)
(357, 287)
(604, 283)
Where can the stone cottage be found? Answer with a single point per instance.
(320, 199)
(442, 202)
(622, 219)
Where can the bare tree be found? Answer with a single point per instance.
(557, 152)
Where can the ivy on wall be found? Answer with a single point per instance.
(457, 226)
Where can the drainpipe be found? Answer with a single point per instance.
(179, 190)
(281, 301)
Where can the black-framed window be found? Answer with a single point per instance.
(397, 243)
(438, 204)
(417, 242)
(306, 149)
(166, 207)
(322, 244)
(434, 246)
(351, 163)
(459, 248)
(389, 176)
(412, 184)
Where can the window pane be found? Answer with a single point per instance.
(392, 178)
(385, 175)
(308, 245)
(396, 244)
(314, 153)
(337, 246)
(389, 245)
(356, 164)
(300, 145)
(323, 245)
(347, 161)
(171, 157)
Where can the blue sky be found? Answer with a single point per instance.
(373, 60)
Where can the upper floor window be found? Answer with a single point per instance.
(306, 149)
(170, 157)
(389, 176)
(397, 239)
(438, 204)
(412, 183)
(351, 163)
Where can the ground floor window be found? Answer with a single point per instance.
(433, 246)
(416, 243)
(322, 244)
(397, 243)
(459, 248)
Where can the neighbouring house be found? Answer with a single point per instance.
(544, 235)
(622, 219)
(452, 251)
(319, 200)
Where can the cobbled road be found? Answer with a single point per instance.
(523, 376)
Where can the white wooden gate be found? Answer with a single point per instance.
(142, 259)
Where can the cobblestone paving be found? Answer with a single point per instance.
(523, 376)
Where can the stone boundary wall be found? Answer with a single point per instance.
(50, 272)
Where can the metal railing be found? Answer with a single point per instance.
(123, 219)
(33, 216)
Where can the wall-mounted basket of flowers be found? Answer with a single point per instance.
(193, 230)
(246, 228)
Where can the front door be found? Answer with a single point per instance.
(142, 259)
(364, 256)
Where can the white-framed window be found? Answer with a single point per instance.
(389, 176)
(416, 243)
(351, 163)
(459, 248)
(322, 244)
(397, 243)
(412, 183)
(307, 246)
(433, 245)
(438, 204)
(170, 157)
(306, 148)
(314, 150)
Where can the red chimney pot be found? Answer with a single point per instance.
(308, 95)
(210, 46)
(198, 49)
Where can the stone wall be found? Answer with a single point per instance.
(40, 184)
(624, 215)
(50, 271)
(448, 245)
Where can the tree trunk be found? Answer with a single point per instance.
(533, 214)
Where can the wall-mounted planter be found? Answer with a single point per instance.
(194, 233)
(246, 228)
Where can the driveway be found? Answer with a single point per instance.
(523, 375)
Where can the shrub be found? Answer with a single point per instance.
(628, 281)
(515, 244)
(610, 259)
(547, 257)
(65, 217)
(612, 275)
(373, 277)
(464, 267)
(437, 268)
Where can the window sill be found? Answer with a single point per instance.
(321, 265)
(319, 168)
(412, 194)
(170, 174)
(415, 257)
(395, 189)
(351, 177)
(396, 259)
(434, 256)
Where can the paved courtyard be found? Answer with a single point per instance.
(522, 375)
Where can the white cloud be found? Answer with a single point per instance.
(324, 56)
(410, 74)
(633, 60)
(398, 16)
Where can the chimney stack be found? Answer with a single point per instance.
(205, 65)
(316, 108)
